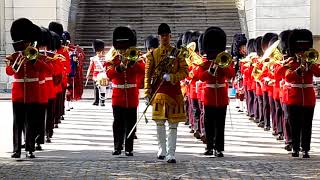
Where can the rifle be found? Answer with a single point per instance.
(165, 66)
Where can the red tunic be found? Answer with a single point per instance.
(216, 90)
(25, 88)
(299, 88)
(125, 92)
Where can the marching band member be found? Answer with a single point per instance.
(238, 51)
(65, 59)
(96, 67)
(301, 98)
(246, 70)
(75, 77)
(267, 104)
(25, 67)
(124, 70)
(215, 73)
(164, 70)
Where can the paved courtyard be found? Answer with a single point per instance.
(82, 145)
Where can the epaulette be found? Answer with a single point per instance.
(56, 56)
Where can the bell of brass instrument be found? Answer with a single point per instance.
(132, 54)
(312, 56)
(273, 53)
(194, 58)
(223, 60)
(30, 53)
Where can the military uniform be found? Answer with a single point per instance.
(168, 104)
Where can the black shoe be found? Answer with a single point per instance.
(237, 107)
(261, 125)
(240, 110)
(161, 157)
(61, 118)
(256, 121)
(16, 155)
(95, 104)
(23, 146)
(305, 155)
(171, 161)
(116, 152)
(186, 123)
(218, 154)
(102, 104)
(288, 147)
(129, 153)
(197, 135)
(191, 131)
(38, 147)
(208, 152)
(295, 154)
(56, 126)
(30, 155)
(135, 137)
(48, 140)
(274, 133)
(67, 109)
(280, 137)
(71, 107)
(267, 129)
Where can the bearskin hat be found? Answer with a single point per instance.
(164, 29)
(239, 40)
(283, 45)
(56, 27)
(56, 41)
(258, 46)
(300, 40)
(194, 38)
(200, 40)
(46, 38)
(123, 38)
(214, 42)
(151, 42)
(179, 41)
(98, 45)
(266, 39)
(66, 37)
(186, 37)
(23, 30)
(251, 46)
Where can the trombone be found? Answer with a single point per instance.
(30, 53)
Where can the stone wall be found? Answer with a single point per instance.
(277, 15)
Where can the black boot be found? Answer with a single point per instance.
(305, 154)
(30, 155)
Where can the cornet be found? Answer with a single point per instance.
(30, 53)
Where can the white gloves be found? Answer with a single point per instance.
(166, 77)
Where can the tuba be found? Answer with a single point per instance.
(223, 60)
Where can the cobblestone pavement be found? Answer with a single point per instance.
(81, 149)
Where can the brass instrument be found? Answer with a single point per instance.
(193, 58)
(312, 56)
(223, 60)
(273, 52)
(30, 53)
(132, 54)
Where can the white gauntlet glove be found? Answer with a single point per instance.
(166, 77)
